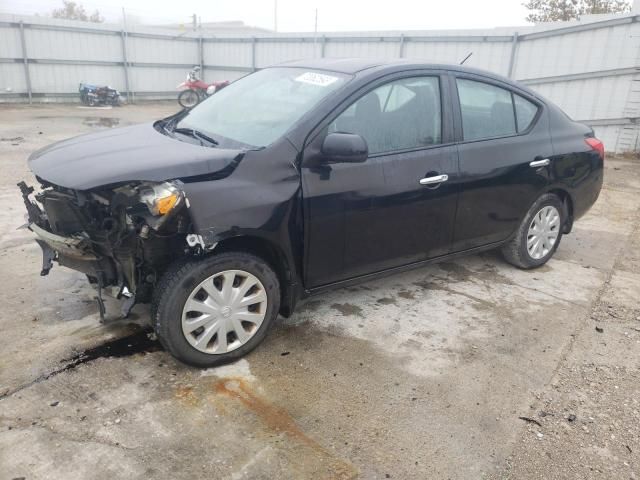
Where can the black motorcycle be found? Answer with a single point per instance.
(93, 95)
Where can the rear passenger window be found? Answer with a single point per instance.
(399, 115)
(525, 112)
(487, 111)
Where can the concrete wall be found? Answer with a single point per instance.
(591, 68)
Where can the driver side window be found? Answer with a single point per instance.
(400, 115)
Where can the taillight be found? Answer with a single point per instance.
(596, 145)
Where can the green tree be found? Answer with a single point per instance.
(605, 6)
(74, 11)
(563, 10)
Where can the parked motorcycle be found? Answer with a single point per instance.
(93, 95)
(195, 90)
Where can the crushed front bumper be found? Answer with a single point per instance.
(74, 251)
(57, 247)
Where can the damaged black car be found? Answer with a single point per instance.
(304, 177)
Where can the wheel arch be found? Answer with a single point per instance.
(275, 256)
(567, 201)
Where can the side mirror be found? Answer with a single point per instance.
(345, 148)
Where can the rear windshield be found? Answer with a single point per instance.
(261, 107)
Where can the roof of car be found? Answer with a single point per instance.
(356, 65)
(342, 65)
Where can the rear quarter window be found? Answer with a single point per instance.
(525, 112)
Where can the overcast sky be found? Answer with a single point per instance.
(298, 15)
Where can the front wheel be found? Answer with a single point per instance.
(188, 98)
(538, 235)
(211, 311)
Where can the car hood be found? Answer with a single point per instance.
(138, 152)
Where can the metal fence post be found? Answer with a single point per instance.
(253, 54)
(401, 49)
(201, 55)
(25, 60)
(512, 58)
(125, 64)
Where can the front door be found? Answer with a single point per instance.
(398, 206)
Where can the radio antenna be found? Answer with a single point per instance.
(466, 58)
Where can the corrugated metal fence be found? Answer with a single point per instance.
(590, 68)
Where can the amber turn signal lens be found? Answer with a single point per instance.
(166, 204)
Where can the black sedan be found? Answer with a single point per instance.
(303, 177)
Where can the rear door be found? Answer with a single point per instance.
(504, 150)
(367, 217)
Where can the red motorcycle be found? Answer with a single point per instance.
(195, 90)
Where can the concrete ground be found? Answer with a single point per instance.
(463, 370)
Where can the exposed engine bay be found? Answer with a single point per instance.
(122, 238)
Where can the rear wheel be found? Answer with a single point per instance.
(538, 235)
(188, 98)
(214, 310)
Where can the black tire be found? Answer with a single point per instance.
(188, 98)
(515, 251)
(182, 278)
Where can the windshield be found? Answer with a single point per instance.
(259, 108)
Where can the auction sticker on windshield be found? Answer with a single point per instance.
(313, 78)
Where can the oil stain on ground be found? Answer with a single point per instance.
(458, 272)
(187, 396)
(101, 122)
(318, 462)
(138, 342)
(347, 309)
(386, 301)
(406, 294)
(310, 306)
(489, 271)
(479, 303)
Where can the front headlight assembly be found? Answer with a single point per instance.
(160, 198)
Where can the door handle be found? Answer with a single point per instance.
(540, 163)
(434, 180)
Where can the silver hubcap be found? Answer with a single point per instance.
(224, 312)
(543, 232)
